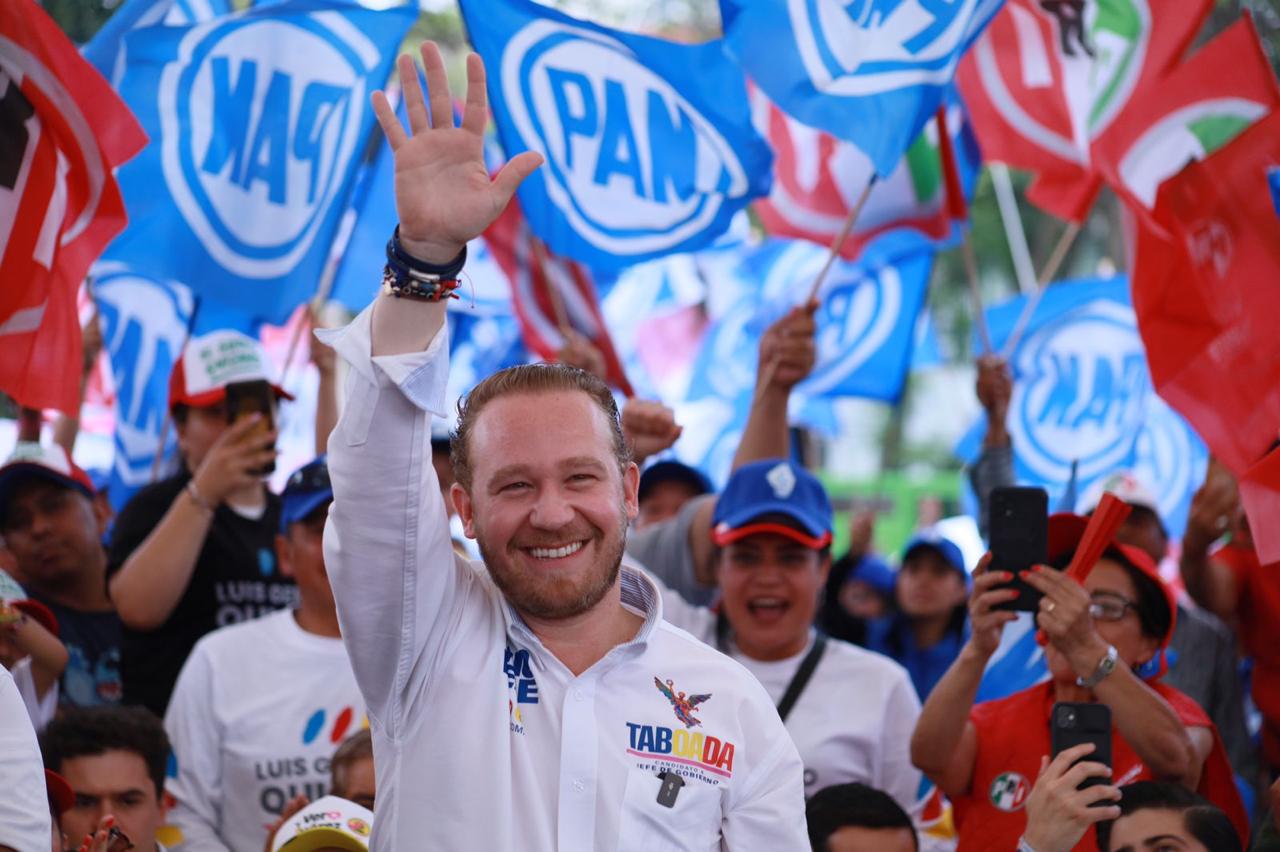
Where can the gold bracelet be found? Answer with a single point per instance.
(197, 499)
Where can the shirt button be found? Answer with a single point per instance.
(579, 786)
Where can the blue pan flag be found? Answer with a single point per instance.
(648, 145)
(105, 51)
(869, 71)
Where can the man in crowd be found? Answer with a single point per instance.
(771, 532)
(1231, 582)
(114, 759)
(538, 700)
(857, 818)
(196, 551)
(665, 488)
(51, 526)
(241, 757)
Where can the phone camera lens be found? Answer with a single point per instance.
(1067, 718)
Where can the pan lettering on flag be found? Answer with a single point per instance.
(647, 145)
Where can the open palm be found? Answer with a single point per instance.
(444, 196)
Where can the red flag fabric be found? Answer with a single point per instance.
(1042, 83)
(533, 272)
(818, 179)
(1206, 297)
(62, 131)
(1187, 114)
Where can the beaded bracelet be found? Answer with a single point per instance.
(405, 276)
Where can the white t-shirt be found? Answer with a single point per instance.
(40, 710)
(482, 738)
(852, 722)
(258, 710)
(24, 804)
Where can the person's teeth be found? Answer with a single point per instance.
(556, 552)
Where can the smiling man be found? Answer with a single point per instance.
(513, 701)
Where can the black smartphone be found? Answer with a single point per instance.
(253, 397)
(1018, 520)
(1072, 724)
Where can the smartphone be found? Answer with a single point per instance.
(255, 397)
(1072, 724)
(1018, 520)
(118, 841)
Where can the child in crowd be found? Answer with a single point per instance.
(31, 651)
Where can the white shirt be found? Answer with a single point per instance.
(24, 805)
(257, 712)
(852, 722)
(482, 738)
(41, 710)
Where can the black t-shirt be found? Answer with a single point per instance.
(92, 676)
(235, 579)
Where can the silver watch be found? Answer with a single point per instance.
(1105, 667)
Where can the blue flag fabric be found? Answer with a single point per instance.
(648, 144)
(1273, 181)
(105, 51)
(257, 121)
(870, 71)
(1082, 393)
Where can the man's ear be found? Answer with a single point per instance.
(463, 506)
(284, 556)
(101, 514)
(631, 490)
(824, 567)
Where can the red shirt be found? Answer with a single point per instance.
(1013, 733)
(1258, 613)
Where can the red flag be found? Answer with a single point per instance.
(62, 131)
(1042, 83)
(1206, 297)
(1187, 114)
(533, 272)
(818, 178)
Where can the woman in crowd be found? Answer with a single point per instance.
(1098, 633)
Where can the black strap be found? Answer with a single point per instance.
(800, 679)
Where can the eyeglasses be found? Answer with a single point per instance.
(1105, 606)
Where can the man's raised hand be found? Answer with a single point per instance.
(444, 196)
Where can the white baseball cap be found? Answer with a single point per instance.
(1126, 486)
(212, 361)
(327, 823)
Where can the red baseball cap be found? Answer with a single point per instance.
(212, 361)
(61, 797)
(31, 460)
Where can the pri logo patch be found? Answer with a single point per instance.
(684, 706)
(1009, 791)
(629, 161)
(870, 47)
(241, 133)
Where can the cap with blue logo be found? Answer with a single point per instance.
(773, 487)
(931, 539)
(307, 489)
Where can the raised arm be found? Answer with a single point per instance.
(387, 545)
(994, 467)
(1213, 508)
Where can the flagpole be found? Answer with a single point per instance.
(168, 409)
(1059, 254)
(1014, 235)
(840, 237)
(557, 303)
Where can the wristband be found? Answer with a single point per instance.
(196, 497)
(1024, 846)
(405, 276)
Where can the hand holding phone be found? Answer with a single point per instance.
(248, 398)
(1019, 527)
(1077, 723)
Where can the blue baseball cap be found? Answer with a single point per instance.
(931, 539)
(875, 572)
(670, 470)
(307, 489)
(773, 487)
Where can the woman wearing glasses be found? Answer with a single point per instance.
(1103, 642)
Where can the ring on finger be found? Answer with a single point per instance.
(1049, 607)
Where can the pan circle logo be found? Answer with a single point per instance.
(630, 163)
(259, 122)
(1081, 393)
(855, 48)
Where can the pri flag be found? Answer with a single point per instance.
(648, 144)
(550, 293)
(62, 131)
(1047, 79)
(1083, 397)
(1207, 301)
(819, 178)
(1188, 113)
(872, 73)
(259, 121)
